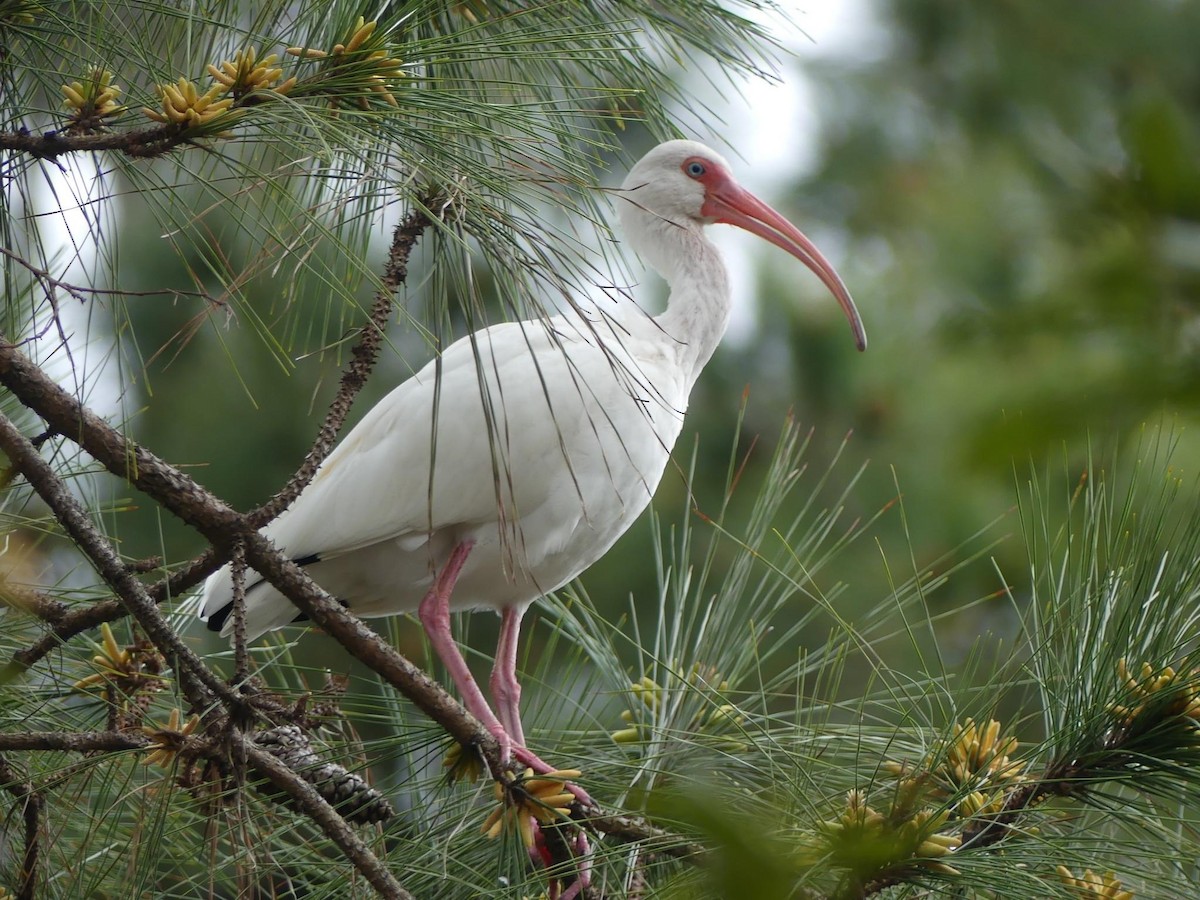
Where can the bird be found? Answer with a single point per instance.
(514, 460)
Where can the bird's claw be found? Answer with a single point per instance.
(573, 846)
(578, 846)
(532, 801)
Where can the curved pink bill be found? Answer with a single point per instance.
(728, 203)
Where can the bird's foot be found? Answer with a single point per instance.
(530, 800)
(554, 846)
(535, 804)
(571, 845)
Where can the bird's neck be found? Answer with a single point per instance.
(697, 312)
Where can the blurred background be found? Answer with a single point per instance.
(1011, 190)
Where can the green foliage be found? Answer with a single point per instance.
(1036, 196)
(1105, 754)
(1012, 186)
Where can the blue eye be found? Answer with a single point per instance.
(695, 168)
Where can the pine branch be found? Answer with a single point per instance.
(195, 677)
(654, 840)
(306, 797)
(74, 741)
(30, 802)
(72, 622)
(35, 603)
(141, 143)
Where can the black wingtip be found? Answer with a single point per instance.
(217, 620)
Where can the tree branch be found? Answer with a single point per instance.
(335, 827)
(655, 840)
(74, 741)
(131, 592)
(30, 802)
(217, 521)
(138, 143)
(36, 603)
(77, 621)
(362, 361)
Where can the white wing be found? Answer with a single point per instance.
(559, 432)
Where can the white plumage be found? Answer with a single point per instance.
(567, 476)
(550, 440)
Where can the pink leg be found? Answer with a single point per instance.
(506, 689)
(434, 613)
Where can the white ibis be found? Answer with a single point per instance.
(503, 470)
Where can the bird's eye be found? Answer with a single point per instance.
(695, 168)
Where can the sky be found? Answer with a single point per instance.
(779, 119)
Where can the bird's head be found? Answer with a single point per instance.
(685, 184)
(671, 181)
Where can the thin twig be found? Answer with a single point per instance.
(83, 292)
(30, 802)
(142, 566)
(77, 621)
(362, 361)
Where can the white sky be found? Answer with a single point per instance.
(779, 119)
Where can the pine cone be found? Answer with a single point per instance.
(347, 792)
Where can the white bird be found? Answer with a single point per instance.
(507, 467)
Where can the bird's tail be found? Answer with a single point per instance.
(266, 608)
